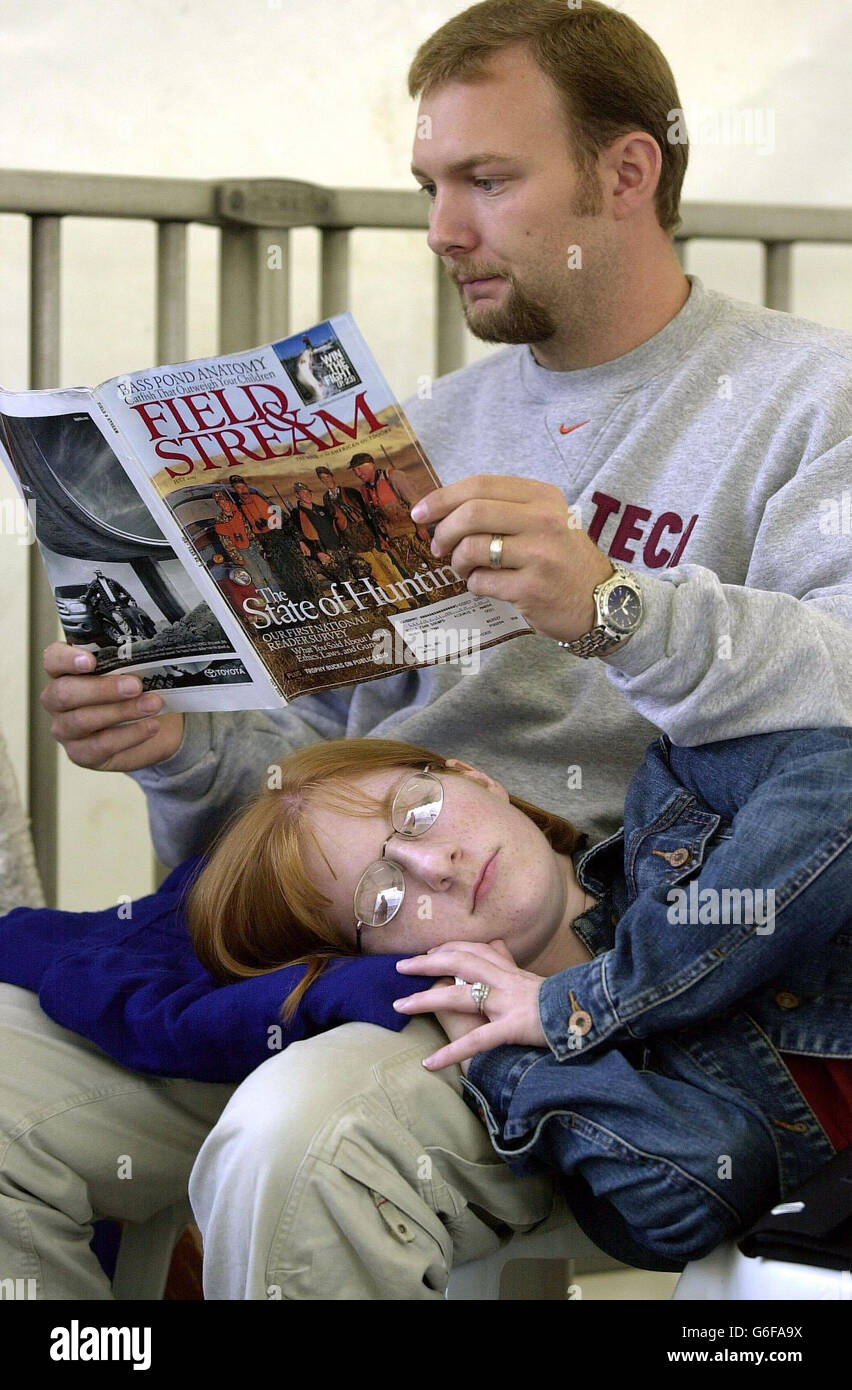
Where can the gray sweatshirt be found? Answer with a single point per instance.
(715, 461)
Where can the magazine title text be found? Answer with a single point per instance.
(230, 425)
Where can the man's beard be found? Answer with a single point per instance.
(523, 318)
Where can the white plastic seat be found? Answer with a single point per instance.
(559, 1238)
(727, 1274)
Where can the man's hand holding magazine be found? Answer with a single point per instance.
(91, 714)
(549, 566)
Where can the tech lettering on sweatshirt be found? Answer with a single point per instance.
(633, 526)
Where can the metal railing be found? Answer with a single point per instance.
(251, 214)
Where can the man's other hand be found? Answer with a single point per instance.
(89, 715)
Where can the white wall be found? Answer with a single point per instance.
(315, 89)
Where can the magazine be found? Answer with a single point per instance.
(236, 530)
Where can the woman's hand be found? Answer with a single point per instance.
(510, 1010)
(454, 1022)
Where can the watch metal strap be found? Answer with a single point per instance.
(592, 642)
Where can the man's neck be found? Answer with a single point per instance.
(637, 306)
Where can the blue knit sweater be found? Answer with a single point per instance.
(134, 986)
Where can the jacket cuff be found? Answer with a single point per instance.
(650, 642)
(496, 1075)
(488, 1091)
(575, 1010)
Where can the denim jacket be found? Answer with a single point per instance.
(661, 1098)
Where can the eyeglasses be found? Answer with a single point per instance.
(381, 888)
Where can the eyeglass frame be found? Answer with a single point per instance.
(407, 835)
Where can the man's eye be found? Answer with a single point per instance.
(429, 188)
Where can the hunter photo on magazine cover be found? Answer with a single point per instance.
(297, 508)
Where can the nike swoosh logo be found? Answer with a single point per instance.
(566, 429)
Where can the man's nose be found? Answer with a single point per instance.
(450, 229)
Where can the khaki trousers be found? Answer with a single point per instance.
(339, 1169)
(365, 1175)
(82, 1137)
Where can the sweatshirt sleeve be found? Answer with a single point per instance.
(222, 761)
(716, 661)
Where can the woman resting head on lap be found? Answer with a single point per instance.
(684, 1031)
(361, 849)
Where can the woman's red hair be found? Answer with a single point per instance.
(254, 906)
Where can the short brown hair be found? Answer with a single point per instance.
(610, 75)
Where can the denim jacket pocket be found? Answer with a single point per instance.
(672, 847)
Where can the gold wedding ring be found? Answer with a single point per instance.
(495, 552)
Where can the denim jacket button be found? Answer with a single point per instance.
(679, 857)
(785, 1000)
(579, 1022)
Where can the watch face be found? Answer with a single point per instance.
(623, 608)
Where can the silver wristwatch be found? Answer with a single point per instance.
(619, 609)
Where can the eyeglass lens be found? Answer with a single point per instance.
(381, 888)
(416, 804)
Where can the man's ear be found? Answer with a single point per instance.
(490, 783)
(633, 164)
